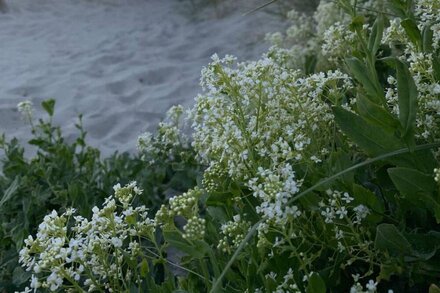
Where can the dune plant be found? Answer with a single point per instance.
(314, 181)
(60, 174)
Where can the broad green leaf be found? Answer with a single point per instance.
(389, 238)
(412, 31)
(416, 187)
(369, 199)
(424, 246)
(9, 192)
(196, 249)
(371, 86)
(217, 213)
(49, 105)
(411, 182)
(376, 114)
(316, 284)
(371, 138)
(376, 35)
(407, 93)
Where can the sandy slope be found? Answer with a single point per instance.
(120, 63)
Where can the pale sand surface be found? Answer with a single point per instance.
(120, 63)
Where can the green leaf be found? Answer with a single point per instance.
(371, 86)
(310, 64)
(316, 284)
(357, 22)
(369, 199)
(427, 37)
(389, 269)
(376, 35)
(417, 187)
(389, 239)
(19, 276)
(410, 182)
(144, 268)
(398, 7)
(217, 213)
(376, 114)
(196, 249)
(434, 289)
(49, 106)
(436, 67)
(9, 192)
(407, 93)
(371, 138)
(412, 31)
(424, 246)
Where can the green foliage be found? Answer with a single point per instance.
(312, 182)
(62, 174)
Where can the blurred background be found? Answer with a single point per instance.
(123, 63)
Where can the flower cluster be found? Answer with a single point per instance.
(70, 251)
(168, 143)
(274, 189)
(421, 66)
(186, 206)
(125, 194)
(26, 109)
(260, 114)
(437, 175)
(234, 233)
(338, 41)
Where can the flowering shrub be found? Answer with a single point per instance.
(314, 181)
(97, 254)
(61, 174)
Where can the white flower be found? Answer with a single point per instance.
(117, 242)
(26, 109)
(371, 286)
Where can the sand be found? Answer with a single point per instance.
(121, 64)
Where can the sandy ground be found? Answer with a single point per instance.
(120, 63)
